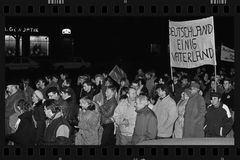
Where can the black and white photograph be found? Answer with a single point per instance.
(110, 81)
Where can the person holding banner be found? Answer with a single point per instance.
(194, 114)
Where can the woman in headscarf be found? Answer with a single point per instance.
(178, 128)
(89, 123)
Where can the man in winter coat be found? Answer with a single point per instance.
(218, 118)
(107, 111)
(166, 112)
(15, 94)
(58, 129)
(146, 121)
(194, 117)
(125, 117)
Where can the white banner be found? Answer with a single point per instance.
(227, 54)
(192, 43)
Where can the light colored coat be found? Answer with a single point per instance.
(166, 112)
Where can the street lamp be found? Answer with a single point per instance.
(66, 31)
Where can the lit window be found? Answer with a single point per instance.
(39, 45)
(10, 45)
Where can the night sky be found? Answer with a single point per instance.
(118, 40)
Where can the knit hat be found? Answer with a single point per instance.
(39, 94)
(215, 94)
(188, 92)
(195, 84)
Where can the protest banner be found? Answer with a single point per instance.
(117, 74)
(192, 43)
(227, 54)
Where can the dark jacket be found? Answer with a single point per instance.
(10, 102)
(72, 111)
(50, 137)
(194, 117)
(107, 110)
(26, 132)
(145, 126)
(228, 99)
(40, 117)
(218, 120)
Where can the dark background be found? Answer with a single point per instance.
(106, 41)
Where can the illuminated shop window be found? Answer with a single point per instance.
(10, 45)
(39, 45)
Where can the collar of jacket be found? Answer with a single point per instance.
(161, 99)
(144, 109)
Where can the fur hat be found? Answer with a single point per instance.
(195, 84)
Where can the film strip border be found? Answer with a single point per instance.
(122, 8)
(142, 153)
(109, 8)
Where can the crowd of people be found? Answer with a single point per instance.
(96, 110)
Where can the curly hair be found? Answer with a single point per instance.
(24, 105)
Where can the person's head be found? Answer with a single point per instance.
(205, 77)
(53, 93)
(110, 91)
(25, 82)
(195, 87)
(23, 106)
(227, 83)
(132, 94)
(63, 76)
(124, 91)
(148, 75)
(12, 88)
(108, 82)
(55, 78)
(41, 83)
(175, 78)
(87, 86)
(186, 94)
(140, 71)
(185, 80)
(99, 79)
(48, 78)
(65, 93)
(213, 84)
(141, 102)
(135, 84)
(123, 82)
(51, 108)
(215, 98)
(37, 96)
(67, 82)
(86, 103)
(141, 82)
(82, 79)
(162, 90)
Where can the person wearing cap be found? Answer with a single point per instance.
(14, 95)
(194, 116)
(39, 115)
(218, 118)
(57, 131)
(178, 127)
